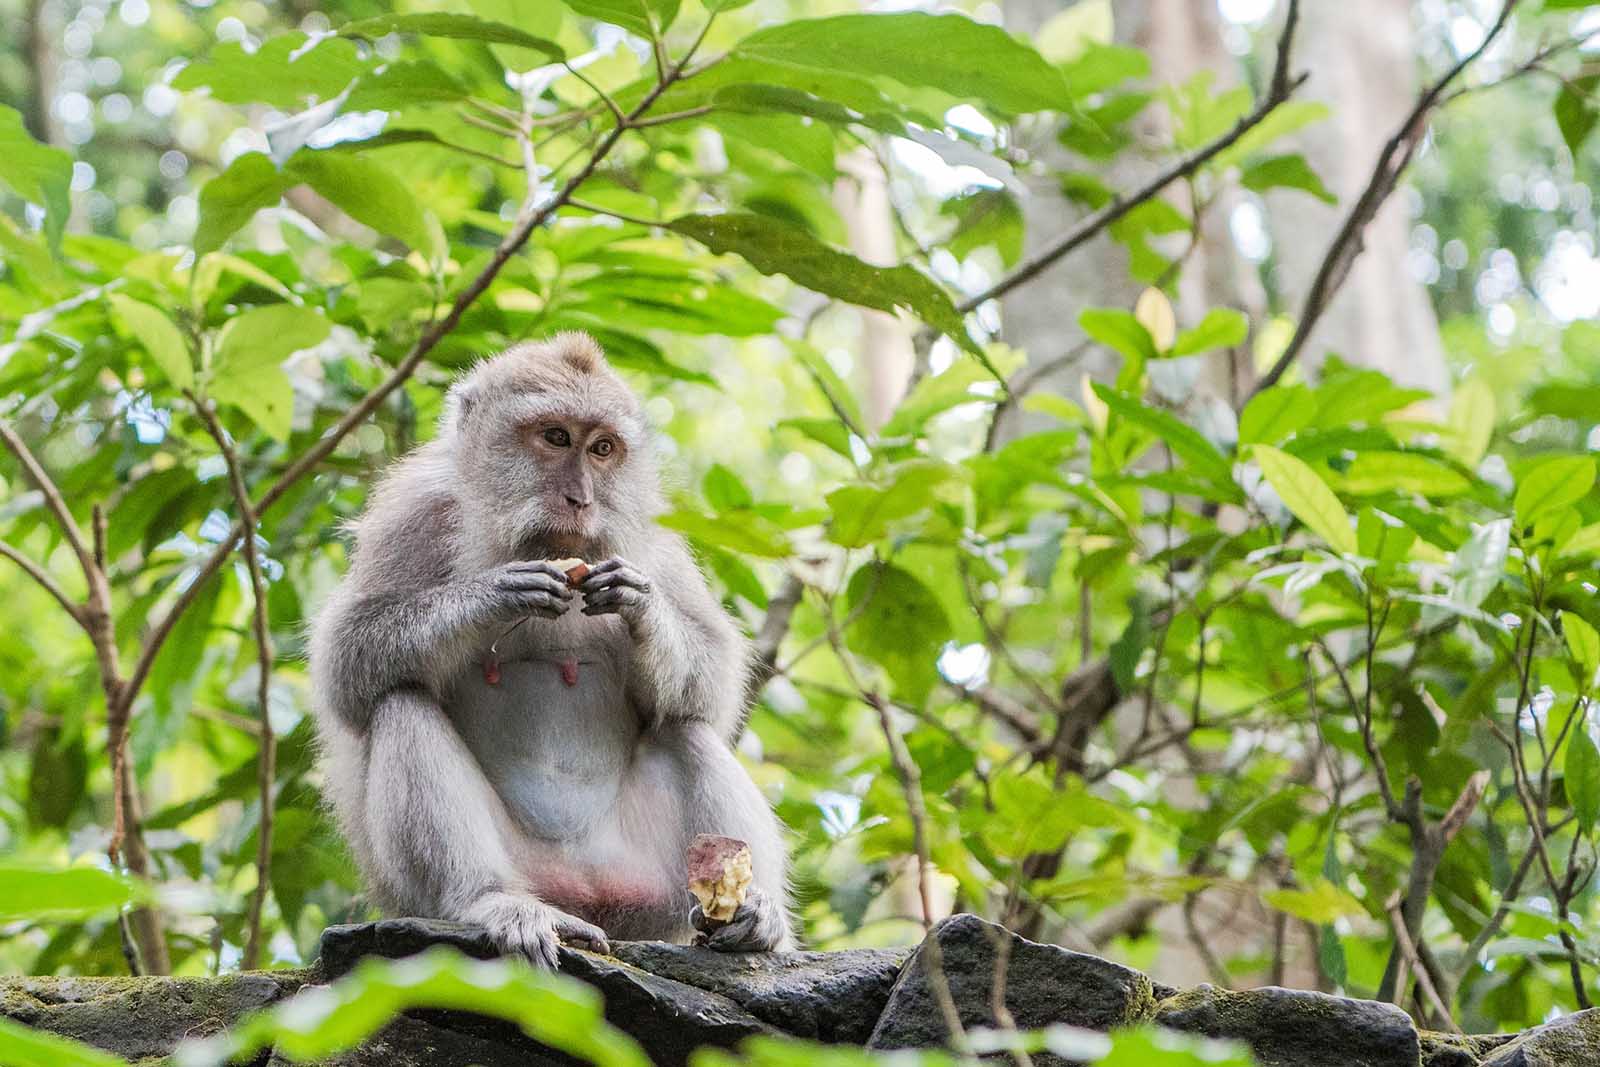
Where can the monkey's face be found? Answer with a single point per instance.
(575, 467)
(551, 450)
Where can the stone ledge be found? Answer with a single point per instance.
(673, 999)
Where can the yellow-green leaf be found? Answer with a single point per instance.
(1471, 422)
(1553, 484)
(1322, 903)
(1305, 494)
(161, 340)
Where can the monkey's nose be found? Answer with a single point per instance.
(578, 503)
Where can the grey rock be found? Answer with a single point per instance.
(415, 1042)
(828, 996)
(138, 1018)
(668, 1017)
(1043, 985)
(1298, 1028)
(1447, 1050)
(1571, 1041)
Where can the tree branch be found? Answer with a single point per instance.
(1347, 243)
(1279, 91)
(267, 743)
(52, 495)
(37, 573)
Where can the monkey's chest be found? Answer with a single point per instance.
(554, 736)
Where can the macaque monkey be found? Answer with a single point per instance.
(503, 747)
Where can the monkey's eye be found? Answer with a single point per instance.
(602, 447)
(558, 437)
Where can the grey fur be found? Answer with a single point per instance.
(506, 795)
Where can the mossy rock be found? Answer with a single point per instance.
(1571, 1041)
(1298, 1028)
(141, 1018)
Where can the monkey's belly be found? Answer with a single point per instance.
(556, 753)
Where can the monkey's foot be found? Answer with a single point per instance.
(521, 925)
(758, 926)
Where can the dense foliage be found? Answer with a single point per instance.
(1331, 654)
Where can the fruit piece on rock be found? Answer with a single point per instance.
(719, 874)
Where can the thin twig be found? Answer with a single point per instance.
(1408, 950)
(37, 573)
(1347, 243)
(267, 750)
(1088, 228)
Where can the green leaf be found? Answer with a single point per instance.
(161, 339)
(1285, 172)
(1480, 563)
(1119, 331)
(367, 192)
(1322, 903)
(739, 532)
(830, 433)
(647, 18)
(1186, 442)
(862, 513)
(38, 173)
(403, 84)
(1403, 472)
(456, 27)
(248, 371)
(283, 72)
(1307, 496)
(1471, 422)
(320, 1021)
(1272, 415)
(1575, 111)
(23, 1046)
(951, 53)
(1221, 328)
(899, 623)
(1583, 772)
(1555, 483)
(725, 491)
(1584, 645)
(773, 246)
(63, 893)
(232, 198)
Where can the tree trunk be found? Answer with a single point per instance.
(1361, 55)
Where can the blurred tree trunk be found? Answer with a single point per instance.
(1183, 38)
(39, 30)
(1362, 56)
(861, 196)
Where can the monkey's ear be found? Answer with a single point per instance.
(459, 404)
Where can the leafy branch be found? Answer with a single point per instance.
(1386, 172)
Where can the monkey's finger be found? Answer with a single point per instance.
(611, 601)
(609, 565)
(536, 566)
(522, 581)
(584, 935)
(542, 604)
(620, 576)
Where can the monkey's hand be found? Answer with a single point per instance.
(522, 925)
(527, 587)
(756, 927)
(615, 587)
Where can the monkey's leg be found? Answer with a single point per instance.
(437, 834)
(723, 800)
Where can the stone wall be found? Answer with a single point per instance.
(675, 999)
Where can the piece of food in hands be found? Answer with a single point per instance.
(575, 569)
(719, 874)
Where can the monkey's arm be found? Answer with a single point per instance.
(689, 659)
(400, 620)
